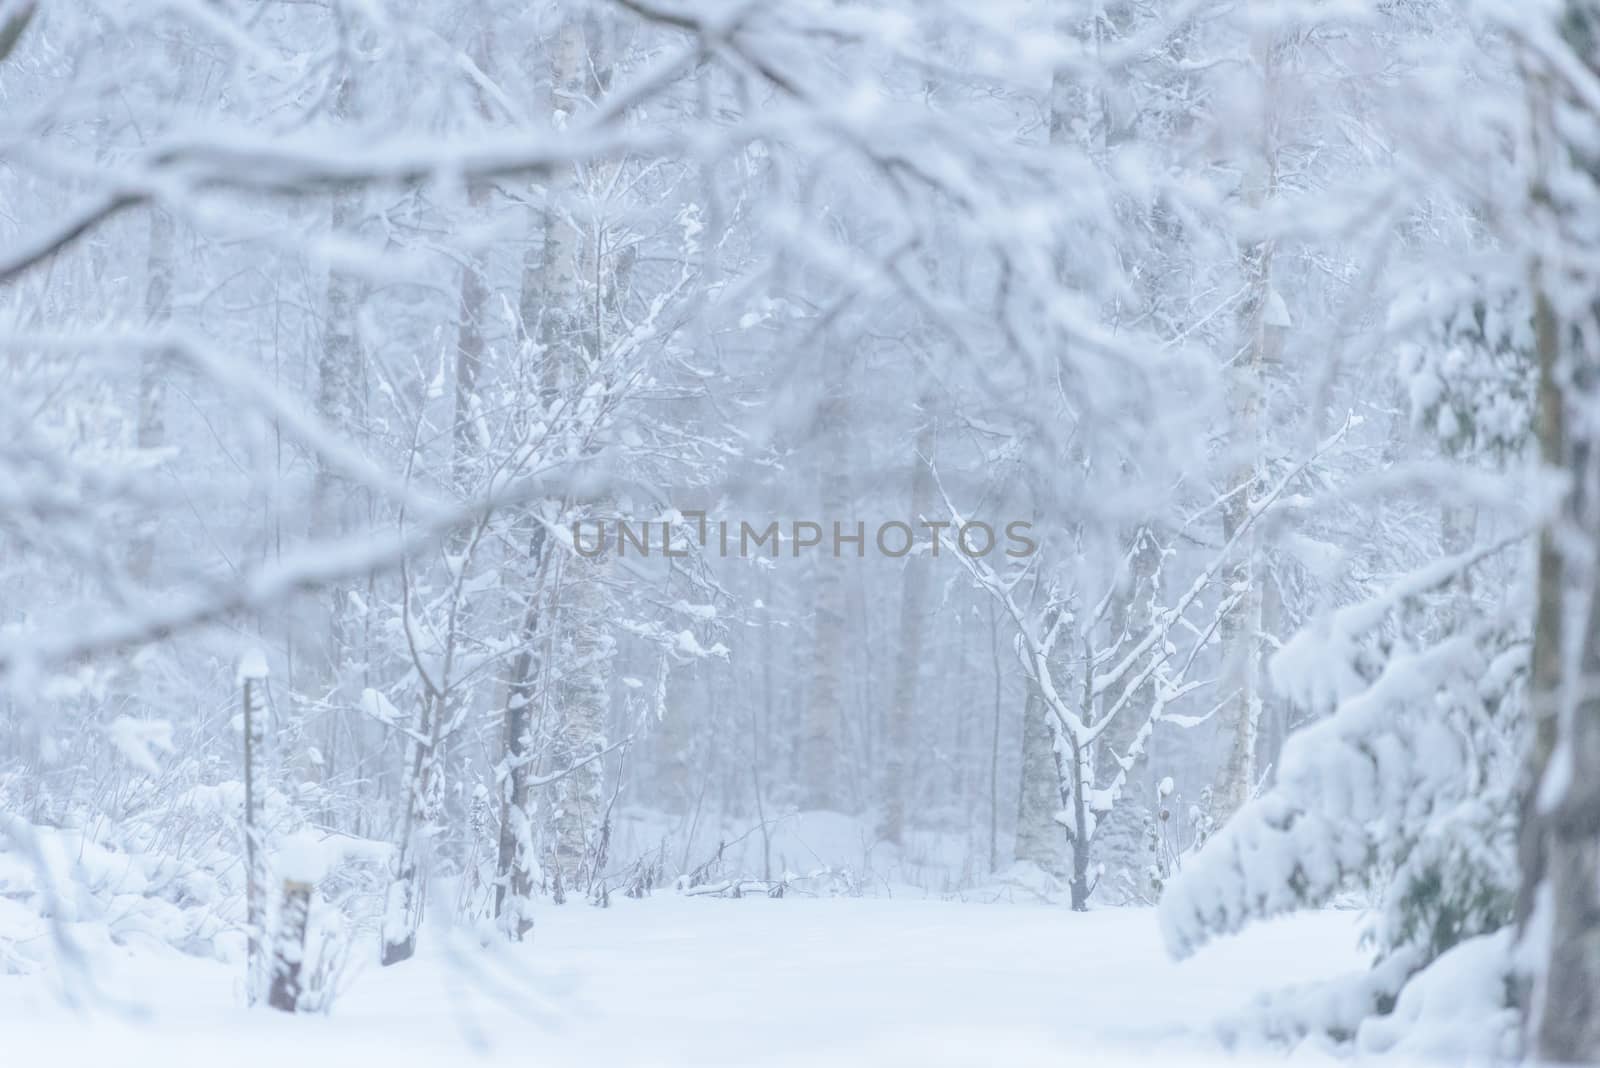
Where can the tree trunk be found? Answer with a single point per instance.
(994, 739)
(151, 432)
(897, 742)
(469, 361)
(820, 741)
(1262, 323)
(471, 315)
(1567, 1028)
(1118, 837)
(339, 403)
(1559, 838)
(574, 347)
(15, 22)
(547, 267)
(336, 375)
(408, 890)
(515, 863)
(575, 800)
(1561, 819)
(1082, 833)
(254, 857)
(1041, 839)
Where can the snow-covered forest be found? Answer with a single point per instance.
(821, 531)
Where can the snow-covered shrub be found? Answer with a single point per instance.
(1172, 831)
(1471, 386)
(159, 862)
(1403, 786)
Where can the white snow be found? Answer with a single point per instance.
(306, 856)
(252, 665)
(1276, 312)
(681, 980)
(1455, 1009)
(379, 707)
(137, 740)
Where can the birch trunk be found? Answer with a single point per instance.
(408, 892)
(339, 403)
(516, 865)
(897, 742)
(254, 857)
(574, 347)
(824, 715)
(473, 309)
(994, 739)
(337, 366)
(1262, 323)
(544, 306)
(1041, 839)
(1119, 835)
(576, 799)
(151, 431)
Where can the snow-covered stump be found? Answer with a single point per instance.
(289, 945)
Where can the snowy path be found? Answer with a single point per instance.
(713, 982)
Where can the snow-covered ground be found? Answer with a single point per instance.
(675, 980)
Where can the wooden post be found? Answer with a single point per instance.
(253, 672)
(288, 948)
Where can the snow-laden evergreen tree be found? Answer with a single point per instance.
(1404, 785)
